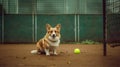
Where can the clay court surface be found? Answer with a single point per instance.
(18, 55)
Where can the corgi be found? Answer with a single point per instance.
(50, 41)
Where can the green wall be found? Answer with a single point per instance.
(18, 28)
(91, 27)
(30, 28)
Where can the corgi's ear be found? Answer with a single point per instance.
(48, 26)
(58, 26)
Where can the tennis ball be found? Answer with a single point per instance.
(76, 51)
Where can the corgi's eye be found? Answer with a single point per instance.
(51, 31)
(55, 31)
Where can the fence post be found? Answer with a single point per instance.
(104, 29)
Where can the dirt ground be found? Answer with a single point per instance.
(18, 55)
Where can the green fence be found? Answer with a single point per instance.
(30, 28)
(18, 28)
(91, 27)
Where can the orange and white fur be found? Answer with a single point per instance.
(50, 41)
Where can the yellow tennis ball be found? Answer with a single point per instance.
(76, 51)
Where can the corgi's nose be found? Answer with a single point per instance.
(53, 35)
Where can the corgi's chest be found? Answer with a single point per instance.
(54, 44)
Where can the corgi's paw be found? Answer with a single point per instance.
(47, 54)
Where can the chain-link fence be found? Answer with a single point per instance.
(113, 22)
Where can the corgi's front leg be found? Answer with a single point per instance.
(47, 52)
(54, 52)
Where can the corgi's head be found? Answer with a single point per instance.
(53, 32)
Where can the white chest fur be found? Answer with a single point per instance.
(54, 44)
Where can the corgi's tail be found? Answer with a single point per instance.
(34, 52)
